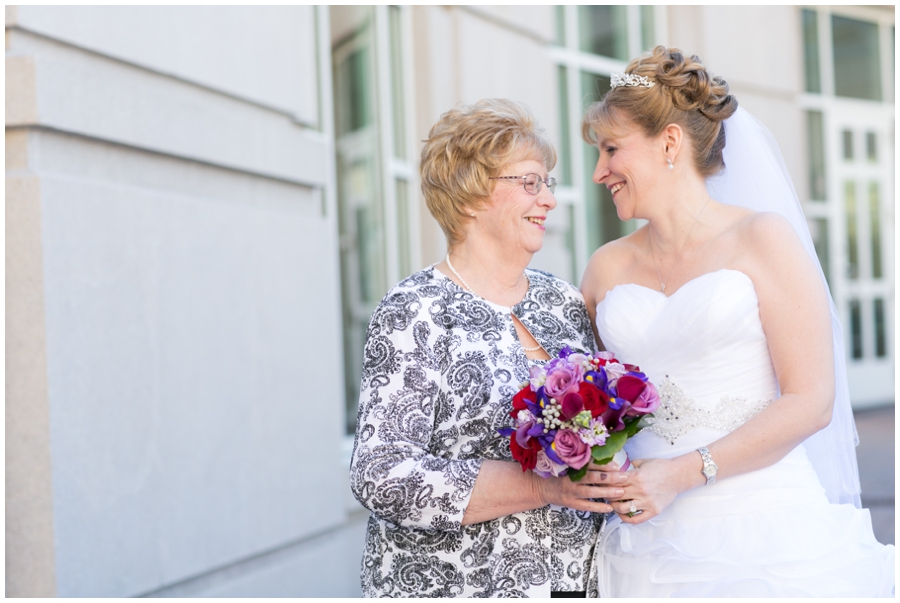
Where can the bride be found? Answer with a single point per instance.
(746, 484)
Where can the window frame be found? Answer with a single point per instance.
(575, 61)
(862, 116)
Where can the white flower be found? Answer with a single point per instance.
(538, 377)
(525, 416)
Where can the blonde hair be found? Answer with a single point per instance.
(684, 93)
(466, 147)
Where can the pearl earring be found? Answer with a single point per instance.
(671, 165)
(473, 215)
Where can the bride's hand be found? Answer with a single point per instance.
(651, 486)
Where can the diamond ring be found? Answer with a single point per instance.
(634, 511)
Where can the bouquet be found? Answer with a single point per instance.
(576, 409)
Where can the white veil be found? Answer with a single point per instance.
(756, 177)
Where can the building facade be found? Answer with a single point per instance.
(204, 205)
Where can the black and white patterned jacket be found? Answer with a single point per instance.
(441, 366)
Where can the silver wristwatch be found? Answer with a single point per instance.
(709, 466)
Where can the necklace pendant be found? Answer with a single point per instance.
(663, 288)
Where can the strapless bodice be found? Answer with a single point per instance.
(705, 349)
(764, 533)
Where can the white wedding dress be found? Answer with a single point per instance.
(767, 533)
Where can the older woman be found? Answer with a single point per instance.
(446, 349)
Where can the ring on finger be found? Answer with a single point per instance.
(633, 511)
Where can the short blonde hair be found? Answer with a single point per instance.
(469, 145)
(685, 93)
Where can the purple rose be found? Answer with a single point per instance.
(547, 468)
(571, 449)
(561, 380)
(614, 370)
(647, 402)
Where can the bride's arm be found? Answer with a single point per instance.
(795, 315)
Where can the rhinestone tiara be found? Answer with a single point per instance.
(629, 80)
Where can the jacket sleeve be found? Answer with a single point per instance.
(394, 472)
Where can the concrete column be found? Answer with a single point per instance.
(30, 565)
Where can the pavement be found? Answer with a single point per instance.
(876, 468)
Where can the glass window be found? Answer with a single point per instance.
(593, 87)
(857, 68)
(401, 189)
(602, 30)
(871, 147)
(397, 96)
(648, 27)
(816, 140)
(811, 51)
(818, 229)
(602, 222)
(850, 217)
(565, 140)
(560, 15)
(847, 144)
(355, 109)
(880, 334)
(856, 343)
(875, 228)
(360, 196)
(569, 234)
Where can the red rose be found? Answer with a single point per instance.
(527, 457)
(629, 387)
(595, 399)
(518, 401)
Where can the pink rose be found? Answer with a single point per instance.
(547, 468)
(614, 370)
(647, 402)
(571, 449)
(562, 380)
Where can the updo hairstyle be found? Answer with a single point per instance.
(684, 93)
(466, 147)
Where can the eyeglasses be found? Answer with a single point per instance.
(532, 182)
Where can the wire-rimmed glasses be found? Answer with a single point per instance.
(531, 182)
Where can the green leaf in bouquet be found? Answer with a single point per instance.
(577, 475)
(635, 424)
(604, 454)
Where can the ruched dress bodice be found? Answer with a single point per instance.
(770, 532)
(706, 341)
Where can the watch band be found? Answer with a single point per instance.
(710, 469)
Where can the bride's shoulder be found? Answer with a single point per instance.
(619, 252)
(767, 240)
(766, 230)
(610, 262)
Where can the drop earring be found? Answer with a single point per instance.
(671, 165)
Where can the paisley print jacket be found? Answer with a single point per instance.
(441, 366)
